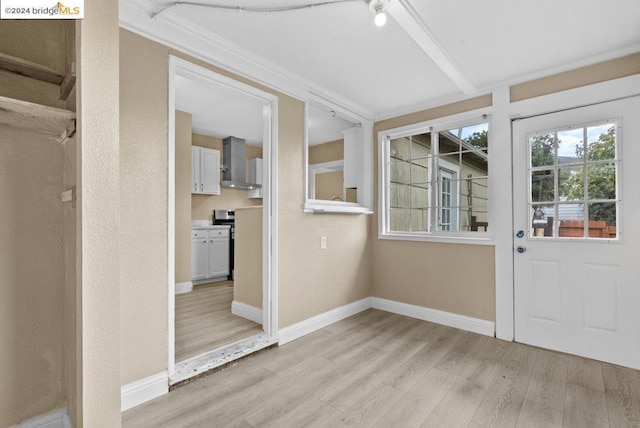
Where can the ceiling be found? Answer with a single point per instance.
(429, 52)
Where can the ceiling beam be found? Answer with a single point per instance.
(413, 24)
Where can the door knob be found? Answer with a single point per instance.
(520, 233)
(521, 249)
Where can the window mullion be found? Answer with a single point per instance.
(435, 188)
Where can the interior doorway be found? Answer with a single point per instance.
(220, 307)
(575, 280)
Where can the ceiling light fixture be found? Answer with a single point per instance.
(378, 7)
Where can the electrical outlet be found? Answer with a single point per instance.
(323, 242)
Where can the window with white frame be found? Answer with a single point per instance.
(435, 181)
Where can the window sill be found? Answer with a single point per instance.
(335, 207)
(482, 239)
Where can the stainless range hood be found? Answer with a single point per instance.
(234, 164)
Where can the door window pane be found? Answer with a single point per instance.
(542, 221)
(543, 186)
(560, 172)
(541, 148)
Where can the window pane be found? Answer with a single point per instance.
(542, 222)
(420, 146)
(476, 136)
(571, 183)
(419, 197)
(400, 148)
(601, 142)
(541, 150)
(603, 211)
(448, 142)
(602, 181)
(473, 218)
(419, 220)
(419, 173)
(570, 146)
(460, 191)
(399, 171)
(543, 186)
(400, 196)
(399, 219)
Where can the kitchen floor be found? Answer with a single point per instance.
(204, 320)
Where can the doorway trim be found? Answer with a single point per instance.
(504, 113)
(181, 67)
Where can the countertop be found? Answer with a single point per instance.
(206, 224)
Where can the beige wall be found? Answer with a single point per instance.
(143, 193)
(183, 197)
(32, 276)
(326, 152)
(247, 280)
(330, 185)
(449, 277)
(601, 72)
(311, 281)
(98, 211)
(202, 206)
(72, 304)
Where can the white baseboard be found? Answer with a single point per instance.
(461, 322)
(56, 419)
(143, 390)
(246, 311)
(184, 287)
(312, 324)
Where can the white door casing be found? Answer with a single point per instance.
(580, 295)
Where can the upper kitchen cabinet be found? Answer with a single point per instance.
(205, 171)
(338, 160)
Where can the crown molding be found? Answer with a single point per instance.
(178, 33)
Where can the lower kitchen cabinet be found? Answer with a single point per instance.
(209, 253)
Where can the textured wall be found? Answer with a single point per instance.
(99, 208)
(247, 282)
(143, 193)
(32, 276)
(72, 306)
(183, 197)
(313, 281)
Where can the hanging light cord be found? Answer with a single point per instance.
(250, 9)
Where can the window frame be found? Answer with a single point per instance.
(470, 118)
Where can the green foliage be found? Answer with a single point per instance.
(478, 139)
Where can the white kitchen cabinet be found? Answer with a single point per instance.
(209, 253)
(255, 176)
(205, 171)
(199, 258)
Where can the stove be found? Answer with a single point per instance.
(227, 217)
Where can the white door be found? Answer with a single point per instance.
(577, 231)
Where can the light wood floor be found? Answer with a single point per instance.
(204, 320)
(383, 370)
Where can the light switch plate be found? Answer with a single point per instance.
(323, 242)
